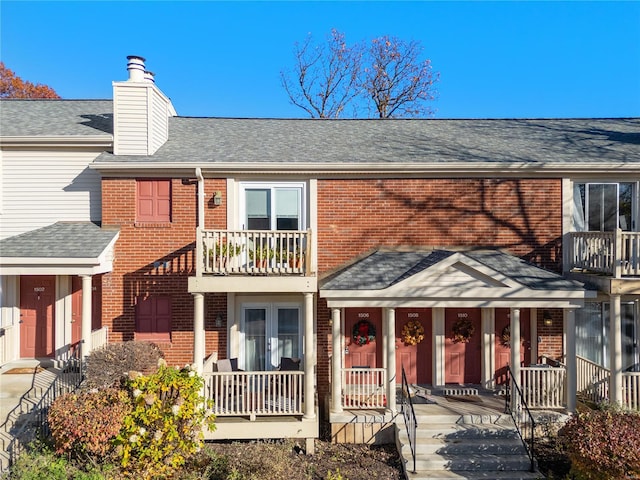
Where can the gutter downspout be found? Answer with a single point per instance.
(200, 198)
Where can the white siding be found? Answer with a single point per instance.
(42, 187)
(159, 124)
(130, 108)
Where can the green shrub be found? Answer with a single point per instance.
(164, 428)
(83, 425)
(40, 464)
(106, 366)
(603, 444)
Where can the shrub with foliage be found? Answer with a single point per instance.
(41, 463)
(106, 366)
(164, 429)
(83, 425)
(603, 444)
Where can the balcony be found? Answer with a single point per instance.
(253, 252)
(615, 254)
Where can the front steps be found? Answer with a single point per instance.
(463, 445)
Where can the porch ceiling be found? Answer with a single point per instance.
(444, 278)
(64, 248)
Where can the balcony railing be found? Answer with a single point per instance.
(253, 252)
(543, 387)
(255, 393)
(614, 253)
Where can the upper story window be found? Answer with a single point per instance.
(153, 200)
(272, 206)
(604, 207)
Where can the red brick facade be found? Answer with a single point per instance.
(354, 217)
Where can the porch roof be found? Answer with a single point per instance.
(446, 278)
(63, 248)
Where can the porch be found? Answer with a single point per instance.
(615, 254)
(261, 405)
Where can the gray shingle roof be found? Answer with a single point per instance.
(60, 240)
(53, 118)
(382, 269)
(536, 142)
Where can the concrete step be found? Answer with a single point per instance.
(462, 431)
(476, 462)
(442, 446)
(467, 475)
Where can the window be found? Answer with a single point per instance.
(272, 207)
(153, 201)
(603, 207)
(592, 334)
(153, 318)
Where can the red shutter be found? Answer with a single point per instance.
(154, 200)
(153, 318)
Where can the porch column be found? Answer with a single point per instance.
(615, 350)
(571, 360)
(438, 347)
(336, 361)
(87, 295)
(309, 358)
(390, 319)
(488, 365)
(533, 328)
(198, 331)
(515, 354)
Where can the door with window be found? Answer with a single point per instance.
(269, 332)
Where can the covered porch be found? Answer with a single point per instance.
(499, 299)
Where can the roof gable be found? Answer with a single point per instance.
(445, 278)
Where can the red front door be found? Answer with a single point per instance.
(76, 307)
(503, 336)
(462, 359)
(416, 359)
(361, 351)
(37, 297)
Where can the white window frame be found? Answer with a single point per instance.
(272, 186)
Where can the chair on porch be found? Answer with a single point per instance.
(283, 388)
(232, 389)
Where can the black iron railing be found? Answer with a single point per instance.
(34, 424)
(409, 415)
(521, 415)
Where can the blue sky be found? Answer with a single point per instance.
(496, 59)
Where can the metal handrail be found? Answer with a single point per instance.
(516, 415)
(67, 380)
(409, 414)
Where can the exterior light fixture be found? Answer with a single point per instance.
(546, 317)
(217, 198)
(219, 320)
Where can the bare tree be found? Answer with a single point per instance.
(325, 78)
(396, 80)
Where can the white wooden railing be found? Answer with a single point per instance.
(613, 253)
(363, 388)
(543, 387)
(8, 341)
(99, 337)
(631, 390)
(255, 393)
(592, 380)
(275, 252)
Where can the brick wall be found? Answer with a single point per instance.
(522, 216)
(157, 259)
